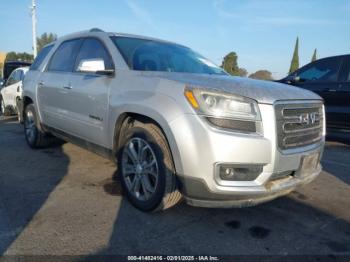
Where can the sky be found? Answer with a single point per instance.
(261, 32)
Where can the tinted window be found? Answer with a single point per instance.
(64, 57)
(40, 58)
(323, 70)
(149, 55)
(94, 49)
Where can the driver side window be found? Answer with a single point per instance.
(323, 70)
(91, 49)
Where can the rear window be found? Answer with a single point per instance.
(64, 58)
(41, 57)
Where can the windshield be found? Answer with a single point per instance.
(150, 55)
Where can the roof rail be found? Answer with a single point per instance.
(96, 30)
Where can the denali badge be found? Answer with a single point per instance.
(308, 118)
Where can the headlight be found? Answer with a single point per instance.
(226, 110)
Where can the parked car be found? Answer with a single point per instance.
(11, 93)
(175, 123)
(10, 66)
(330, 78)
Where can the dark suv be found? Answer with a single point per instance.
(330, 78)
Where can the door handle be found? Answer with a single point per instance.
(332, 90)
(67, 87)
(41, 84)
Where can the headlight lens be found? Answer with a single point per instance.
(222, 105)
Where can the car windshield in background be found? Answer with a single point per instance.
(149, 55)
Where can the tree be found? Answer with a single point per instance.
(295, 60)
(262, 75)
(45, 39)
(242, 72)
(230, 65)
(314, 56)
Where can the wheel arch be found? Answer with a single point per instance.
(26, 101)
(160, 123)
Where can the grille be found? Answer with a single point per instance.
(299, 125)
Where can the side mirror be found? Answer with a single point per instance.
(293, 79)
(95, 66)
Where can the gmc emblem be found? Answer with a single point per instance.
(308, 118)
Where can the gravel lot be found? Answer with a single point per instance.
(63, 200)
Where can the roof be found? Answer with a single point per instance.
(96, 31)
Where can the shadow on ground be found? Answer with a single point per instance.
(284, 226)
(100, 221)
(23, 194)
(305, 222)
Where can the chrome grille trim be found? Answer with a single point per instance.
(299, 124)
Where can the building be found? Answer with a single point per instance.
(2, 61)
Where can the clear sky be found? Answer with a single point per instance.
(261, 32)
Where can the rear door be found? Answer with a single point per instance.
(54, 85)
(87, 102)
(321, 77)
(343, 96)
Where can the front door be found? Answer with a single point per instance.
(88, 100)
(343, 97)
(321, 77)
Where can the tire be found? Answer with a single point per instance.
(3, 109)
(149, 187)
(34, 135)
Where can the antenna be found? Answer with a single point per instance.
(33, 9)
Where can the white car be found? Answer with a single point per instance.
(11, 94)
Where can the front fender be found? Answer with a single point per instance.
(159, 107)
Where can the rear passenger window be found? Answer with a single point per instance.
(93, 49)
(40, 58)
(64, 58)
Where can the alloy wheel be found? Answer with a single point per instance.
(29, 126)
(140, 169)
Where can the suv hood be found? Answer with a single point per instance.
(265, 92)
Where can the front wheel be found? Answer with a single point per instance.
(146, 167)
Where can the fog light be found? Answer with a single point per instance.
(228, 172)
(239, 172)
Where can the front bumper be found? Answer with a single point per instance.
(198, 194)
(201, 147)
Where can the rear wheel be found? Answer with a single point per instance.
(35, 137)
(146, 168)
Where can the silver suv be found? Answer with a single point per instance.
(176, 124)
